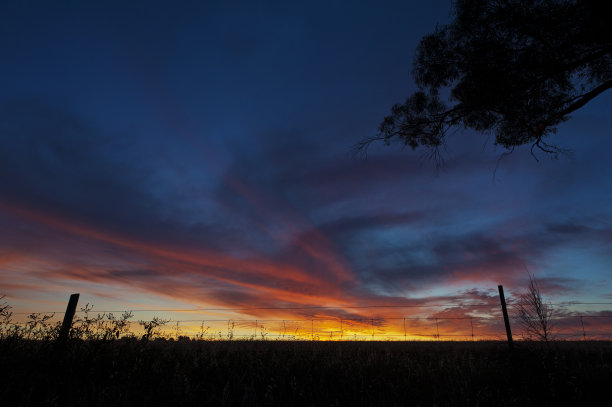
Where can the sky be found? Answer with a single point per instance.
(166, 155)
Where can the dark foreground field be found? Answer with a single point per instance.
(251, 373)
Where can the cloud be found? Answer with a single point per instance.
(305, 229)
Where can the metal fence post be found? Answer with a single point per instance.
(372, 322)
(472, 324)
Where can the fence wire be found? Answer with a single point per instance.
(487, 325)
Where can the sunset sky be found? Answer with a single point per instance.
(200, 154)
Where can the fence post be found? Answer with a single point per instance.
(502, 299)
(68, 316)
(472, 324)
(372, 322)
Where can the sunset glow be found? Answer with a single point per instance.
(195, 164)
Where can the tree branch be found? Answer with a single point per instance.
(586, 98)
(582, 100)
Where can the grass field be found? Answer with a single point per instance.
(258, 373)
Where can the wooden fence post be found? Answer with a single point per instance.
(502, 299)
(68, 316)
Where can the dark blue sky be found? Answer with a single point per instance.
(202, 154)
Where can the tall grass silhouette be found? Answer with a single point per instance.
(103, 363)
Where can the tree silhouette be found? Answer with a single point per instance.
(512, 68)
(534, 314)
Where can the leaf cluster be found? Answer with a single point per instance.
(105, 326)
(513, 68)
(152, 328)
